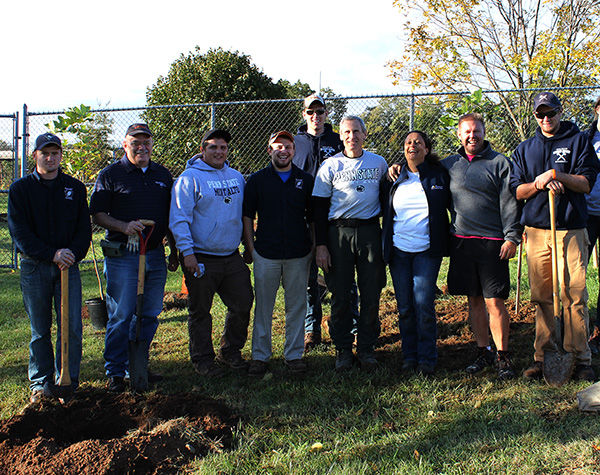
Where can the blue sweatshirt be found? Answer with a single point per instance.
(206, 209)
(568, 151)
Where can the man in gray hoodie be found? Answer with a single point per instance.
(206, 221)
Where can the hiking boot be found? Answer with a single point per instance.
(584, 372)
(425, 369)
(233, 361)
(37, 395)
(211, 369)
(116, 384)
(409, 366)
(484, 359)
(505, 367)
(344, 360)
(298, 366)
(311, 340)
(535, 371)
(367, 361)
(257, 368)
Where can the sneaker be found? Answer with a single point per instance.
(233, 361)
(257, 368)
(211, 369)
(298, 366)
(425, 369)
(37, 395)
(344, 360)
(484, 359)
(409, 366)
(505, 367)
(116, 384)
(584, 372)
(535, 371)
(311, 340)
(367, 361)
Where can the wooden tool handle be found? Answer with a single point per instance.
(555, 283)
(147, 222)
(65, 375)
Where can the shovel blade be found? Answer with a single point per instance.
(138, 365)
(558, 367)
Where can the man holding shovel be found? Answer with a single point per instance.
(558, 159)
(131, 200)
(49, 222)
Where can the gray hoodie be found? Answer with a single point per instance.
(206, 209)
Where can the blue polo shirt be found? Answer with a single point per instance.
(284, 212)
(127, 193)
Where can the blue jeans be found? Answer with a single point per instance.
(414, 276)
(121, 291)
(40, 285)
(314, 310)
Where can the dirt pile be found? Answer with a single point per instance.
(103, 433)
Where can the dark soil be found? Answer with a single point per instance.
(101, 433)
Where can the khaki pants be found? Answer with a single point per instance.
(572, 259)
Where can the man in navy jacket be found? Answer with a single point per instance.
(557, 159)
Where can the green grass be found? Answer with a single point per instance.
(366, 423)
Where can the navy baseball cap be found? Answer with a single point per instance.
(217, 134)
(45, 140)
(140, 128)
(546, 99)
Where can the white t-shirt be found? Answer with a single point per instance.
(411, 215)
(352, 184)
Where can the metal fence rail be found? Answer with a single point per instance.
(178, 129)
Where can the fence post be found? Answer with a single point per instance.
(411, 120)
(213, 118)
(25, 141)
(15, 174)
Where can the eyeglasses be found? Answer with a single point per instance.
(317, 111)
(549, 114)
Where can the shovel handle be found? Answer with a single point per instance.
(65, 375)
(555, 283)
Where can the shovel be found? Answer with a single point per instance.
(558, 365)
(64, 390)
(138, 349)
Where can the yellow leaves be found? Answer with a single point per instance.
(316, 447)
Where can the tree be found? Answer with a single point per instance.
(213, 77)
(500, 44)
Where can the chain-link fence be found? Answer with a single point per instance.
(178, 129)
(8, 172)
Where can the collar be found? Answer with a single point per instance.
(130, 167)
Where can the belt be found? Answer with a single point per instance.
(354, 223)
(212, 256)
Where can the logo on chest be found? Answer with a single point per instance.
(561, 155)
(69, 194)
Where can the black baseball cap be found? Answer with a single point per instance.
(217, 134)
(47, 139)
(139, 128)
(546, 99)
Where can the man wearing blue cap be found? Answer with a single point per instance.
(557, 159)
(49, 222)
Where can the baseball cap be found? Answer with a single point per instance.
(313, 98)
(282, 133)
(546, 99)
(140, 128)
(47, 139)
(217, 134)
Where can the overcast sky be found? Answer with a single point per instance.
(67, 52)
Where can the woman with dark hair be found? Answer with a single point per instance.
(415, 238)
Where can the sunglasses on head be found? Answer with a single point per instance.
(549, 114)
(317, 111)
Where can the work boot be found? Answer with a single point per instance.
(485, 358)
(257, 368)
(425, 369)
(505, 366)
(409, 366)
(233, 361)
(344, 360)
(311, 340)
(367, 361)
(584, 372)
(37, 395)
(535, 371)
(298, 366)
(211, 370)
(116, 384)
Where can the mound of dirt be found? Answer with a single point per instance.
(100, 433)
